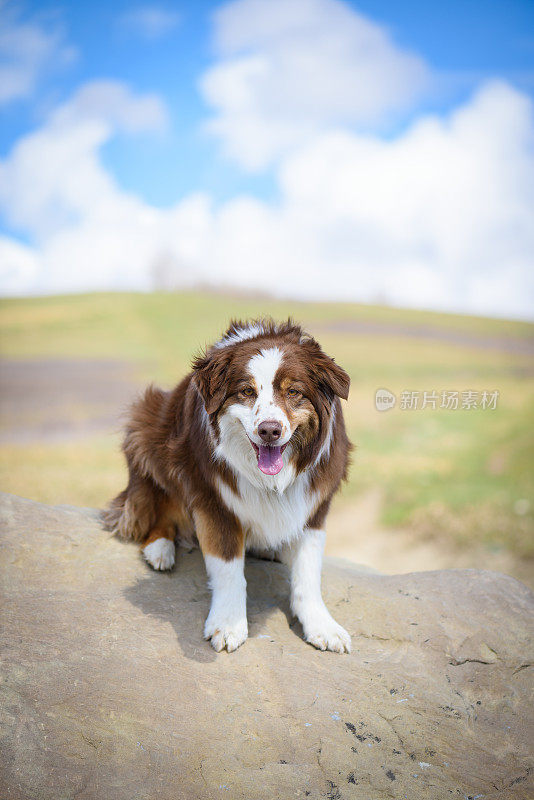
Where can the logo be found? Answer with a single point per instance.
(384, 400)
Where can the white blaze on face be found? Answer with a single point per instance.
(238, 425)
(263, 368)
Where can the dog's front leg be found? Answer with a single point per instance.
(304, 557)
(222, 543)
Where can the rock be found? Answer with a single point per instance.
(110, 693)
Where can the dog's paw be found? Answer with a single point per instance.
(325, 633)
(160, 553)
(225, 633)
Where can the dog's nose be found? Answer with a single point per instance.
(270, 431)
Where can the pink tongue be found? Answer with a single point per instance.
(270, 459)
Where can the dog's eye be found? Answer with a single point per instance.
(248, 391)
(293, 393)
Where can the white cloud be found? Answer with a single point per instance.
(149, 22)
(114, 103)
(87, 232)
(19, 267)
(27, 51)
(291, 68)
(439, 217)
(53, 177)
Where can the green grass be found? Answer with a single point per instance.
(165, 328)
(462, 476)
(84, 473)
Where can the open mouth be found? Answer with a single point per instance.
(269, 457)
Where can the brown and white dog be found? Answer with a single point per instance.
(244, 454)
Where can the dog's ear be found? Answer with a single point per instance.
(330, 378)
(210, 376)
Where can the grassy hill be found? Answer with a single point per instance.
(460, 475)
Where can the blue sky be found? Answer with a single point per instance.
(465, 41)
(178, 54)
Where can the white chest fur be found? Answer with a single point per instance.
(273, 509)
(270, 517)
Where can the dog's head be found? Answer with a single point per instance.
(266, 387)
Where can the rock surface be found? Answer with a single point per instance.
(110, 693)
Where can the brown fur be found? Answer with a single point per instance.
(168, 445)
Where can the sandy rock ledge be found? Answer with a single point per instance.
(109, 692)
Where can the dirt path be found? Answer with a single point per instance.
(62, 399)
(508, 344)
(354, 532)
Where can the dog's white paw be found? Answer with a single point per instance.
(160, 553)
(325, 633)
(225, 633)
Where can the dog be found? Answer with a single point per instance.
(245, 454)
